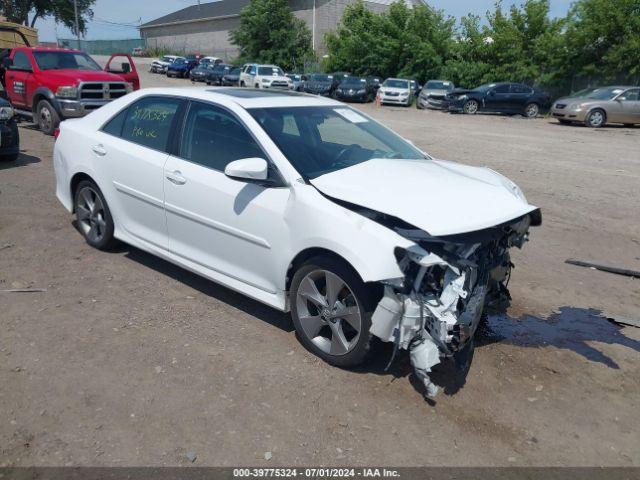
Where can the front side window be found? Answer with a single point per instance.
(65, 61)
(148, 122)
(519, 88)
(320, 140)
(213, 138)
(21, 61)
(631, 95)
(502, 88)
(607, 93)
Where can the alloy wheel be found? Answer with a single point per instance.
(328, 312)
(471, 107)
(91, 214)
(532, 110)
(596, 118)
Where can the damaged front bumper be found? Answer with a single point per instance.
(434, 311)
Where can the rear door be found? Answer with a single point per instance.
(18, 80)
(520, 96)
(122, 65)
(130, 154)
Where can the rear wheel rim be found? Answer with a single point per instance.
(596, 119)
(91, 214)
(328, 312)
(532, 110)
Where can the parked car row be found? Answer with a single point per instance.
(593, 107)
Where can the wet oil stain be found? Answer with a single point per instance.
(571, 328)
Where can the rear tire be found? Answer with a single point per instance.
(336, 340)
(531, 110)
(47, 117)
(93, 216)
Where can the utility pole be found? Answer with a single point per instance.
(75, 10)
(313, 26)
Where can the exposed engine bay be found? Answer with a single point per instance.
(449, 282)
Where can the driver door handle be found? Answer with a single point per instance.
(176, 177)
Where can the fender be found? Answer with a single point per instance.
(48, 94)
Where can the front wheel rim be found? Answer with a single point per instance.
(471, 107)
(328, 312)
(596, 119)
(91, 214)
(45, 118)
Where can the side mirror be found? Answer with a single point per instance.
(248, 169)
(126, 68)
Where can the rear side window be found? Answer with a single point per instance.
(148, 121)
(114, 126)
(502, 89)
(519, 88)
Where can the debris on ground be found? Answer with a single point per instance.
(604, 268)
(24, 290)
(191, 456)
(268, 455)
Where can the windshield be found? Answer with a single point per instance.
(320, 140)
(604, 93)
(235, 71)
(65, 60)
(166, 59)
(318, 77)
(438, 85)
(354, 81)
(483, 88)
(393, 83)
(179, 61)
(266, 71)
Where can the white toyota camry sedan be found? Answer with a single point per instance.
(305, 204)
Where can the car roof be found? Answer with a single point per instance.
(245, 97)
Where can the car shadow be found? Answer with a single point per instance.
(22, 161)
(207, 287)
(570, 328)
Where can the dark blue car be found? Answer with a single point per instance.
(181, 67)
(10, 147)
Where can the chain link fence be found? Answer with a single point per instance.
(103, 47)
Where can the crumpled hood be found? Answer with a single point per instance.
(434, 91)
(439, 197)
(73, 76)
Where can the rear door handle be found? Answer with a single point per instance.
(99, 150)
(176, 177)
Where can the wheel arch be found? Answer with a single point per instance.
(313, 252)
(73, 185)
(43, 93)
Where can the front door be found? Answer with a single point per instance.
(17, 80)
(122, 65)
(499, 99)
(630, 106)
(131, 152)
(225, 225)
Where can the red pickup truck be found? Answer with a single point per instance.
(51, 84)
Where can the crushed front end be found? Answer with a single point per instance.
(448, 283)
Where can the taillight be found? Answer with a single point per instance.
(56, 133)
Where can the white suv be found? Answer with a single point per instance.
(264, 76)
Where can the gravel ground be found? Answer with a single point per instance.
(128, 360)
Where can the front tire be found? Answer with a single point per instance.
(93, 216)
(471, 107)
(596, 119)
(331, 312)
(47, 117)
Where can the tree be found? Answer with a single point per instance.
(27, 12)
(603, 40)
(410, 42)
(270, 33)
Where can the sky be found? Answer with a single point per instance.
(116, 19)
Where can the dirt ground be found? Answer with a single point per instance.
(128, 360)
